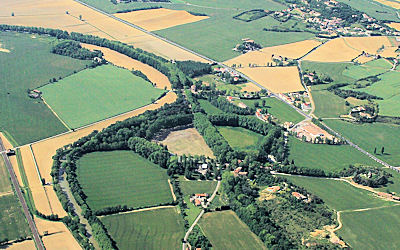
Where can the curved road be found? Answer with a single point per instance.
(32, 225)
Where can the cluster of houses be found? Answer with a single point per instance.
(309, 132)
(238, 171)
(35, 94)
(334, 25)
(247, 45)
(225, 73)
(240, 104)
(388, 196)
(199, 199)
(361, 112)
(297, 99)
(263, 117)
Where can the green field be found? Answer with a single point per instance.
(278, 109)
(373, 229)
(209, 108)
(5, 184)
(226, 231)
(326, 157)
(328, 105)
(374, 9)
(29, 65)
(389, 89)
(333, 70)
(371, 135)
(95, 94)
(371, 68)
(12, 220)
(155, 229)
(241, 139)
(122, 178)
(339, 195)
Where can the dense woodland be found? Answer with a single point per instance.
(194, 69)
(74, 49)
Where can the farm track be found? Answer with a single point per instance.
(32, 225)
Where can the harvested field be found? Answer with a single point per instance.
(276, 79)
(158, 19)
(24, 245)
(50, 14)
(394, 26)
(44, 150)
(124, 61)
(249, 87)
(348, 48)
(264, 56)
(187, 141)
(67, 241)
(363, 59)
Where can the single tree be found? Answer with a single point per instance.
(263, 102)
(80, 17)
(12, 13)
(383, 150)
(375, 151)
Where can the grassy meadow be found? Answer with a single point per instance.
(28, 66)
(326, 157)
(226, 231)
(95, 94)
(370, 68)
(372, 229)
(278, 109)
(122, 178)
(333, 70)
(338, 195)
(371, 135)
(209, 108)
(374, 9)
(240, 139)
(154, 229)
(12, 219)
(328, 105)
(5, 183)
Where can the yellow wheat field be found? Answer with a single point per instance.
(24, 245)
(187, 141)
(44, 150)
(363, 59)
(347, 48)
(276, 79)
(53, 14)
(264, 56)
(392, 4)
(249, 87)
(395, 26)
(124, 61)
(158, 19)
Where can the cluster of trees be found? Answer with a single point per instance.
(344, 93)
(251, 15)
(74, 49)
(367, 176)
(194, 69)
(177, 78)
(141, 75)
(197, 239)
(324, 79)
(269, 218)
(225, 105)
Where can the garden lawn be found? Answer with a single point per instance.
(371, 68)
(122, 178)
(241, 139)
(371, 135)
(28, 66)
(12, 220)
(155, 229)
(337, 194)
(373, 229)
(278, 109)
(226, 231)
(95, 94)
(326, 157)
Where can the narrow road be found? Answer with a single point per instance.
(32, 225)
(200, 215)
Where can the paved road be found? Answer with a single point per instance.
(32, 226)
(200, 215)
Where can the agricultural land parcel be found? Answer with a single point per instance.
(278, 109)
(276, 79)
(159, 79)
(374, 9)
(29, 65)
(326, 157)
(187, 141)
(50, 14)
(226, 231)
(348, 48)
(360, 228)
(371, 68)
(371, 135)
(241, 139)
(95, 94)
(154, 229)
(12, 220)
(158, 19)
(122, 178)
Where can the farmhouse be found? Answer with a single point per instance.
(299, 196)
(311, 132)
(261, 116)
(35, 94)
(273, 189)
(199, 199)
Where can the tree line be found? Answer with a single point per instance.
(194, 69)
(344, 93)
(74, 49)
